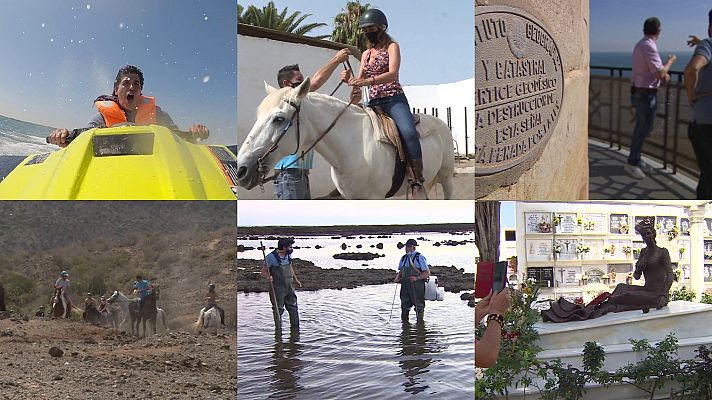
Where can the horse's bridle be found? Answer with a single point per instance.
(261, 175)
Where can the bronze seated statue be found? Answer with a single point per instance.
(653, 263)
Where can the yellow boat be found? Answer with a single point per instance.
(125, 163)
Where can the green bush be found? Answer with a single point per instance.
(683, 294)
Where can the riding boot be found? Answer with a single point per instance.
(416, 181)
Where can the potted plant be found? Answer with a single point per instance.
(606, 251)
(582, 249)
(681, 251)
(629, 278)
(589, 225)
(579, 220)
(556, 220)
(623, 227)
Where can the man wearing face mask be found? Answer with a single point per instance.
(128, 104)
(413, 272)
(278, 270)
(292, 180)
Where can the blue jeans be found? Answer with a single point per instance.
(397, 108)
(645, 105)
(292, 184)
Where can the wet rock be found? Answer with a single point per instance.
(318, 247)
(358, 256)
(343, 246)
(379, 246)
(55, 351)
(358, 246)
(437, 244)
(466, 296)
(471, 303)
(336, 237)
(400, 245)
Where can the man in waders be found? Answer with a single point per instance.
(278, 271)
(413, 272)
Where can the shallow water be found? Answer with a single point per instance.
(460, 256)
(348, 348)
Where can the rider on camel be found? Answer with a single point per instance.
(63, 284)
(104, 307)
(90, 302)
(144, 288)
(212, 299)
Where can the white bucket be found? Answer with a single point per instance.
(431, 288)
(441, 293)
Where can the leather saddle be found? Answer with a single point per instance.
(385, 130)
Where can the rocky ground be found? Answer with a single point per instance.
(99, 363)
(315, 278)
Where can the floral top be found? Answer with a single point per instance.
(377, 67)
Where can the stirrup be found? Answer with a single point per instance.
(412, 187)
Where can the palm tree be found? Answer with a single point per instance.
(269, 17)
(346, 25)
(487, 229)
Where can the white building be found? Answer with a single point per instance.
(585, 248)
(262, 52)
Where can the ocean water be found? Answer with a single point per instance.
(625, 60)
(20, 138)
(460, 256)
(349, 349)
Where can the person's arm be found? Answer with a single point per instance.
(663, 72)
(487, 349)
(361, 80)
(294, 275)
(323, 74)
(692, 70)
(398, 277)
(693, 41)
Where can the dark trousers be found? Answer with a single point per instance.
(645, 105)
(397, 108)
(701, 137)
(287, 298)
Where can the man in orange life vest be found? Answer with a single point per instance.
(127, 104)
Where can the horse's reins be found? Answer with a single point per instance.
(260, 165)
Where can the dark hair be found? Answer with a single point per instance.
(286, 73)
(709, 17)
(283, 243)
(139, 276)
(651, 26)
(125, 70)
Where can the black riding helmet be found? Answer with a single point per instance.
(373, 16)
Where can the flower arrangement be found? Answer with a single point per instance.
(589, 225)
(627, 250)
(607, 250)
(579, 220)
(673, 232)
(623, 227)
(708, 255)
(557, 248)
(544, 227)
(582, 249)
(556, 220)
(578, 300)
(681, 250)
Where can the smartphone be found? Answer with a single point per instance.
(500, 276)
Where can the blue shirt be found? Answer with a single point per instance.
(305, 163)
(143, 288)
(418, 262)
(702, 108)
(64, 284)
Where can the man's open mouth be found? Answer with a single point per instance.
(130, 98)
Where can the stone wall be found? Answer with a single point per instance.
(560, 172)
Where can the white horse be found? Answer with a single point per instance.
(208, 321)
(123, 301)
(362, 167)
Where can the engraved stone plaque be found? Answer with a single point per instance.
(519, 87)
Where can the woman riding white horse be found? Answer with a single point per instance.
(362, 167)
(123, 301)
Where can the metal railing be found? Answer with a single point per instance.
(611, 118)
(434, 112)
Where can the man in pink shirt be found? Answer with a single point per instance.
(648, 73)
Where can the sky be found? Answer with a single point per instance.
(353, 212)
(616, 25)
(58, 56)
(436, 38)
